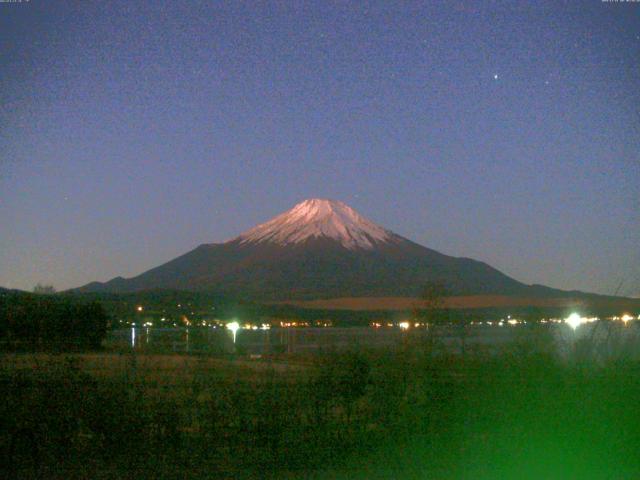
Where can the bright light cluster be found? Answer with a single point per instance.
(626, 318)
(574, 320)
(234, 327)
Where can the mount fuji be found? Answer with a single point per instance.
(319, 249)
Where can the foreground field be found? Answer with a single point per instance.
(164, 368)
(400, 413)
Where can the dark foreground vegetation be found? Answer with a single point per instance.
(394, 414)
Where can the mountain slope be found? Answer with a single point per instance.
(318, 249)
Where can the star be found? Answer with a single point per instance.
(495, 76)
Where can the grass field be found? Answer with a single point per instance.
(159, 367)
(393, 413)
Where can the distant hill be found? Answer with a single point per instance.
(10, 290)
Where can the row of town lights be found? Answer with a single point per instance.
(574, 321)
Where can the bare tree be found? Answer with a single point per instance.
(44, 289)
(431, 308)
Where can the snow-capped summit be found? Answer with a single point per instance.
(318, 218)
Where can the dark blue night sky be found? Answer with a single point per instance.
(130, 132)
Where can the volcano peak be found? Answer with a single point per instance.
(319, 218)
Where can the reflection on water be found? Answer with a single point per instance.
(599, 337)
(166, 340)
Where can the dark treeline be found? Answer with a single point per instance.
(50, 322)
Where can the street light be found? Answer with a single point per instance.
(234, 327)
(574, 320)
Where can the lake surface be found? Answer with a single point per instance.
(603, 339)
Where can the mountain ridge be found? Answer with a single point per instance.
(320, 249)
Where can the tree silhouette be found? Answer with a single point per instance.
(44, 289)
(431, 309)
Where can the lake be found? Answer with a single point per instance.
(603, 338)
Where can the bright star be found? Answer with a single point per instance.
(495, 76)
